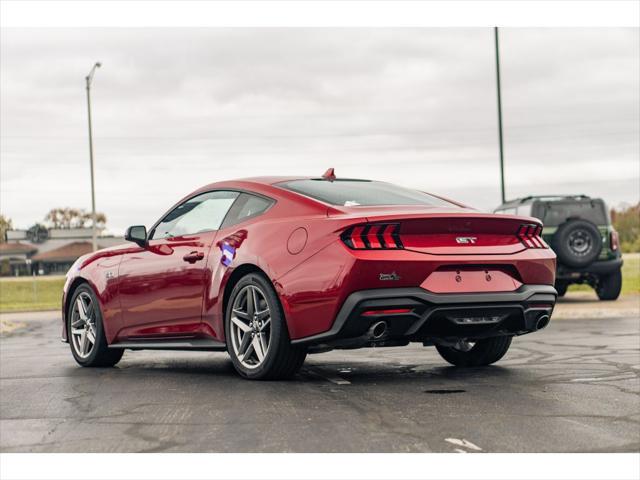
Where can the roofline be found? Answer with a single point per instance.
(273, 180)
(270, 186)
(520, 200)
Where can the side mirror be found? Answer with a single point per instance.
(137, 234)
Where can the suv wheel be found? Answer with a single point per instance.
(577, 243)
(561, 288)
(475, 354)
(609, 287)
(257, 337)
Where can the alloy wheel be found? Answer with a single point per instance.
(83, 325)
(250, 326)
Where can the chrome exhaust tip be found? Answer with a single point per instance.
(543, 321)
(378, 330)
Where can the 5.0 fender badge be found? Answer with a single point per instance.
(393, 276)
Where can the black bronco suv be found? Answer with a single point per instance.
(578, 228)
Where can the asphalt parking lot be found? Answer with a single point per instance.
(573, 387)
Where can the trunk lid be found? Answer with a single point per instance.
(454, 231)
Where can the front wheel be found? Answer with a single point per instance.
(257, 337)
(85, 330)
(609, 287)
(475, 354)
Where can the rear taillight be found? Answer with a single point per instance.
(529, 235)
(614, 240)
(374, 236)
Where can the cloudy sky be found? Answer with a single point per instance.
(178, 108)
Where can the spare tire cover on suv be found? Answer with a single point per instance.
(577, 243)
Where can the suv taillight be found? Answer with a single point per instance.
(374, 236)
(614, 240)
(529, 235)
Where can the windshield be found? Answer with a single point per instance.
(361, 192)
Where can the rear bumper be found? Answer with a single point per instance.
(601, 267)
(436, 316)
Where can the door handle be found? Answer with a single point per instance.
(193, 257)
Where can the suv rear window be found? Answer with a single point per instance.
(556, 213)
(361, 192)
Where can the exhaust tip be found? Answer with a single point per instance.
(543, 321)
(379, 329)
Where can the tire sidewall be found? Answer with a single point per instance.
(484, 352)
(561, 247)
(100, 338)
(610, 286)
(562, 288)
(279, 333)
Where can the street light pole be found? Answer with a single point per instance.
(495, 31)
(94, 233)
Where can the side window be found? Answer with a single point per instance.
(524, 210)
(247, 206)
(202, 213)
(537, 210)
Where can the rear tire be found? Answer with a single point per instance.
(609, 287)
(84, 314)
(265, 321)
(561, 288)
(483, 352)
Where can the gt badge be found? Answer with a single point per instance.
(466, 240)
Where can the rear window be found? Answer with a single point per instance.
(556, 213)
(361, 192)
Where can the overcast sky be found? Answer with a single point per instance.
(175, 109)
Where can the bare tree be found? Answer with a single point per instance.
(5, 224)
(73, 218)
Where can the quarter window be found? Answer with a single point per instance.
(201, 213)
(247, 206)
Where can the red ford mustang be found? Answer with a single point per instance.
(271, 269)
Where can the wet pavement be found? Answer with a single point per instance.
(573, 387)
